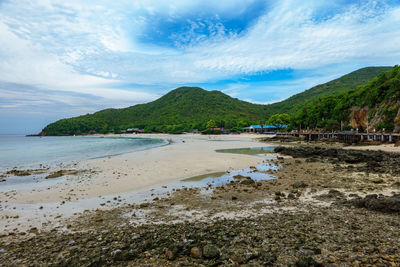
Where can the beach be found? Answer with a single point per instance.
(315, 204)
(185, 156)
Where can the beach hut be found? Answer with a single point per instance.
(260, 128)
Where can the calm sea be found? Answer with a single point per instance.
(29, 152)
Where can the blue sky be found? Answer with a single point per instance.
(66, 58)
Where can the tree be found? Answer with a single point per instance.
(279, 120)
(211, 124)
(236, 129)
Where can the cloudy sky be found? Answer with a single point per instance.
(66, 58)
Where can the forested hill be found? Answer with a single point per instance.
(182, 109)
(188, 108)
(375, 105)
(345, 83)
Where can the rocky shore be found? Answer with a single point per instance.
(327, 207)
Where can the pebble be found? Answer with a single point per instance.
(196, 253)
(210, 252)
(170, 254)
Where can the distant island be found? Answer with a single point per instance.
(366, 98)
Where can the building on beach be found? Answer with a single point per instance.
(262, 128)
(134, 130)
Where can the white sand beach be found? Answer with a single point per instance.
(186, 156)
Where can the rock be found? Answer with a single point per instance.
(299, 184)
(377, 181)
(375, 161)
(55, 174)
(248, 181)
(171, 254)
(241, 177)
(33, 230)
(19, 172)
(268, 259)
(236, 259)
(306, 261)
(234, 197)
(382, 203)
(333, 194)
(125, 255)
(332, 259)
(210, 251)
(196, 253)
(116, 253)
(312, 159)
(144, 205)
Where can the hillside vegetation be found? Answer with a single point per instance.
(343, 84)
(187, 108)
(375, 105)
(182, 109)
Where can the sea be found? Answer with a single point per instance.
(29, 152)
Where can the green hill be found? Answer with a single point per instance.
(345, 83)
(188, 108)
(375, 105)
(180, 110)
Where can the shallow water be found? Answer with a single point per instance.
(248, 150)
(205, 182)
(17, 151)
(35, 181)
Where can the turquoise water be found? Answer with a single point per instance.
(29, 152)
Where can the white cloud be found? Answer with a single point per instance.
(288, 37)
(25, 63)
(91, 48)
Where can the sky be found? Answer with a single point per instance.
(61, 59)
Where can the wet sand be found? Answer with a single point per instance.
(186, 156)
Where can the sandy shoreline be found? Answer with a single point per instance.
(187, 156)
